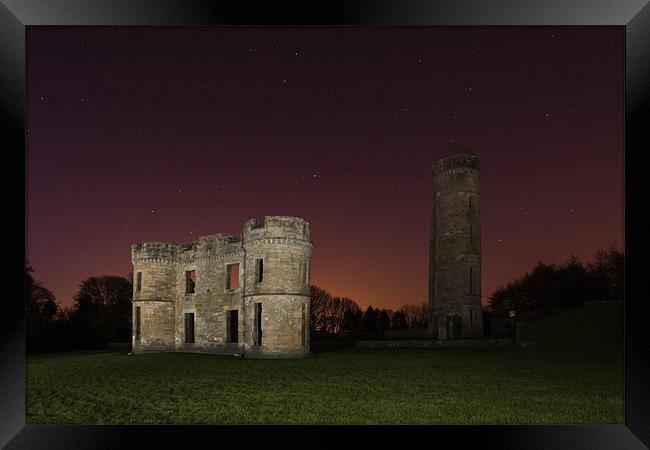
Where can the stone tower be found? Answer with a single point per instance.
(455, 247)
(276, 306)
(226, 295)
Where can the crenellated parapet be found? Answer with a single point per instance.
(276, 227)
(454, 164)
(157, 252)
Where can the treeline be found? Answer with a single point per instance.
(343, 316)
(101, 313)
(551, 286)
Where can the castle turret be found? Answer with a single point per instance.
(455, 247)
(276, 286)
(154, 284)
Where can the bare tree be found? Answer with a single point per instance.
(416, 315)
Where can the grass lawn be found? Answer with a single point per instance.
(576, 382)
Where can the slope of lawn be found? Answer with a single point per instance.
(568, 377)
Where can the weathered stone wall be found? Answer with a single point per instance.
(211, 300)
(283, 243)
(284, 246)
(282, 327)
(455, 247)
(157, 326)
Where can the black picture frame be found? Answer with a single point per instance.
(633, 15)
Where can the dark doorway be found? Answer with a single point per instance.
(189, 328)
(233, 326)
(454, 325)
(138, 321)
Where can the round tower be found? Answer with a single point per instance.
(277, 266)
(455, 247)
(154, 281)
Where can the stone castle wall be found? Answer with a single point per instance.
(284, 246)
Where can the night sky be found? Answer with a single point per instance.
(166, 134)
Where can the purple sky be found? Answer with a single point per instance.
(165, 134)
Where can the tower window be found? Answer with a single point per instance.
(138, 322)
(232, 326)
(259, 270)
(303, 272)
(232, 276)
(471, 234)
(190, 281)
(304, 324)
(471, 281)
(138, 282)
(257, 324)
(189, 328)
(471, 202)
(471, 317)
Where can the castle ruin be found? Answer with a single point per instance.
(455, 247)
(225, 295)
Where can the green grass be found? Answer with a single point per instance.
(548, 383)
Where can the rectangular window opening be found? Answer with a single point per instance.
(471, 317)
(471, 234)
(138, 322)
(259, 270)
(190, 281)
(257, 324)
(189, 328)
(471, 202)
(232, 276)
(471, 284)
(304, 324)
(233, 326)
(138, 281)
(304, 269)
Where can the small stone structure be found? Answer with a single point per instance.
(221, 294)
(455, 247)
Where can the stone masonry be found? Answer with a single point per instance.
(225, 295)
(455, 247)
